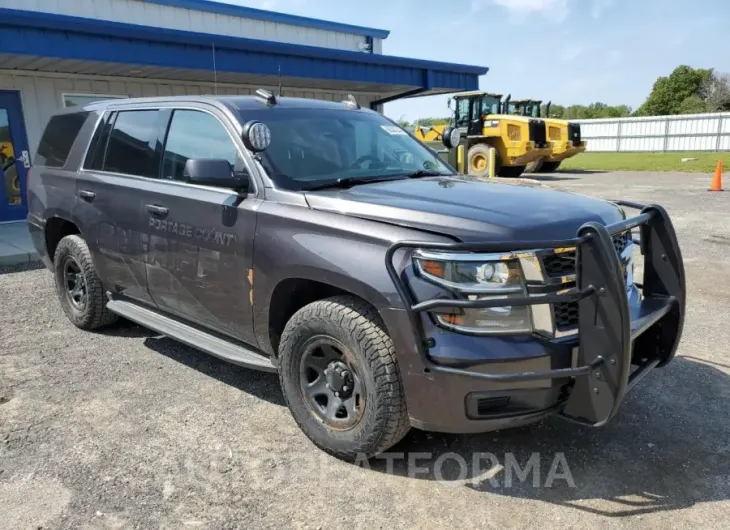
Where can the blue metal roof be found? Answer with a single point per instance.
(270, 16)
(38, 34)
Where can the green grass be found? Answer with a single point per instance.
(705, 163)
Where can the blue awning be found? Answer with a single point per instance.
(35, 35)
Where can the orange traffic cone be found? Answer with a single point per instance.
(716, 184)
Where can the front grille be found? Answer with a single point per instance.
(566, 315)
(563, 264)
(490, 405)
(538, 133)
(559, 265)
(574, 135)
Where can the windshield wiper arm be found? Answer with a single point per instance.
(424, 173)
(348, 182)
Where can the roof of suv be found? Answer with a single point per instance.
(233, 102)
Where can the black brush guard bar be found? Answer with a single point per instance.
(612, 336)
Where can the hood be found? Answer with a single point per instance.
(469, 210)
(513, 117)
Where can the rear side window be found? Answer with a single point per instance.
(131, 144)
(58, 138)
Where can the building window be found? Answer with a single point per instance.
(77, 100)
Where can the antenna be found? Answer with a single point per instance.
(279, 79)
(215, 73)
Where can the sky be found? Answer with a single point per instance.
(564, 51)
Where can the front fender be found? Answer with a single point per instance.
(341, 251)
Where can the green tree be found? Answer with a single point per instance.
(428, 122)
(668, 93)
(403, 122)
(556, 111)
(692, 105)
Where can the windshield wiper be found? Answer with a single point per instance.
(424, 173)
(348, 182)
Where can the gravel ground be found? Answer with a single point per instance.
(125, 429)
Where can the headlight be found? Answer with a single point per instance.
(475, 277)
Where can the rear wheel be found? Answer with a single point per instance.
(511, 171)
(340, 378)
(549, 167)
(79, 288)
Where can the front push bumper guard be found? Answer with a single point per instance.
(612, 335)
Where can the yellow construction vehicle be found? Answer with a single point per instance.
(482, 122)
(563, 136)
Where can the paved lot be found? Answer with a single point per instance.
(125, 429)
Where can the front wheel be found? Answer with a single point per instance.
(340, 378)
(478, 161)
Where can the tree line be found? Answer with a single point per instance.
(686, 90)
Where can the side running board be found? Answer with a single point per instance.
(221, 348)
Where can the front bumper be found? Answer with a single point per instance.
(522, 153)
(585, 377)
(565, 150)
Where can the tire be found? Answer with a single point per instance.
(549, 167)
(477, 160)
(89, 311)
(511, 172)
(354, 327)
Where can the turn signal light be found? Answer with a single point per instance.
(434, 268)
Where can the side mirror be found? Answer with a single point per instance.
(215, 172)
(451, 137)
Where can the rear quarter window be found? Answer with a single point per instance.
(58, 138)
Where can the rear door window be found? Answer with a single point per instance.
(58, 138)
(131, 146)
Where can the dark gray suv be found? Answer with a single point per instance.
(322, 241)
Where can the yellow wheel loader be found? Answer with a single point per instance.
(563, 136)
(482, 123)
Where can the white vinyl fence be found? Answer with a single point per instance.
(689, 132)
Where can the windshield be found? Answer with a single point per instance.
(491, 105)
(312, 147)
(532, 109)
(525, 109)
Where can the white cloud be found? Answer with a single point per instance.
(555, 10)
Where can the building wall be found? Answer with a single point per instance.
(156, 15)
(696, 132)
(41, 94)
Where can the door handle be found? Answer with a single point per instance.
(87, 195)
(158, 211)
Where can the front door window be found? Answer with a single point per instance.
(11, 180)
